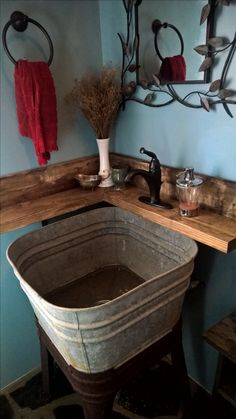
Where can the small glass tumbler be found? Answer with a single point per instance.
(118, 174)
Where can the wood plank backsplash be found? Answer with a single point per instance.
(217, 194)
(36, 183)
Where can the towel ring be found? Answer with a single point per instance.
(156, 26)
(19, 22)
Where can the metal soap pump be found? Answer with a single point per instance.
(188, 192)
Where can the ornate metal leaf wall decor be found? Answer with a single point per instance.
(205, 13)
(158, 94)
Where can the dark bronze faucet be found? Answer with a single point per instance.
(153, 179)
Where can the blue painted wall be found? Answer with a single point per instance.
(178, 135)
(74, 28)
(19, 350)
(205, 306)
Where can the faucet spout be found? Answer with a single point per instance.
(137, 172)
(152, 178)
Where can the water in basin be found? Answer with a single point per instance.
(96, 288)
(61, 269)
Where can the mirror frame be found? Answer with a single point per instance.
(209, 34)
(217, 93)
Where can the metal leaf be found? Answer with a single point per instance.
(215, 85)
(128, 90)
(149, 98)
(224, 2)
(133, 67)
(201, 49)
(156, 80)
(216, 41)
(205, 104)
(226, 108)
(206, 64)
(223, 93)
(205, 13)
(144, 84)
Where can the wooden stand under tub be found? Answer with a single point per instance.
(97, 391)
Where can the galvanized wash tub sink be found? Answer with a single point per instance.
(104, 284)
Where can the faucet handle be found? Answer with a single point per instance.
(154, 165)
(148, 153)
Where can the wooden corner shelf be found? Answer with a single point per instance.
(209, 228)
(39, 194)
(222, 337)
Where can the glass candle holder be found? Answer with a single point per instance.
(118, 174)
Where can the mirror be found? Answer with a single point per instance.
(140, 72)
(168, 32)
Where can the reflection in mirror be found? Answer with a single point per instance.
(155, 91)
(168, 32)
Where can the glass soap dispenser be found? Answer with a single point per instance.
(188, 187)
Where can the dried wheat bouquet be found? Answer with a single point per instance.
(98, 96)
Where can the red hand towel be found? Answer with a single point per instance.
(172, 69)
(36, 106)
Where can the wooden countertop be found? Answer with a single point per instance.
(209, 228)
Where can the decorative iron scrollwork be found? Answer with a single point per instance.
(158, 94)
